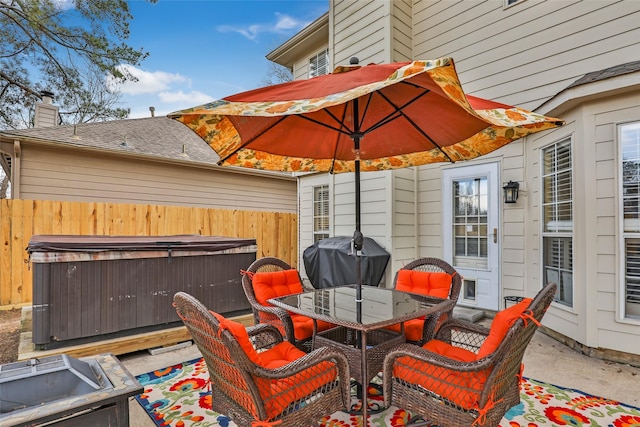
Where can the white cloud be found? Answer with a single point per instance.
(64, 4)
(189, 98)
(286, 23)
(147, 81)
(283, 24)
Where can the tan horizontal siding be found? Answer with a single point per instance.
(525, 54)
(67, 175)
(359, 31)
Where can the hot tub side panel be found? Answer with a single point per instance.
(79, 299)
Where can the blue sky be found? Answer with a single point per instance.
(201, 50)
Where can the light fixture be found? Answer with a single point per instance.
(511, 192)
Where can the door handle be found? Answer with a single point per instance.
(495, 235)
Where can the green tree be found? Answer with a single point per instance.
(65, 47)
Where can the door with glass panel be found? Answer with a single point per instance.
(470, 200)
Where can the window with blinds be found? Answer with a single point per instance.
(557, 226)
(629, 137)
(320, 212)
(319, 64)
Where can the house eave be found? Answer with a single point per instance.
(576, 95)
(312, 35)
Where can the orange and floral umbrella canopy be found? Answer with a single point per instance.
(388, 116)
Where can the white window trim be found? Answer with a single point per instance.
(324, 51)
(315, 232)
(622, 283)
(507, 5)
(544, 234)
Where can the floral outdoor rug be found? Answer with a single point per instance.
(178, 396)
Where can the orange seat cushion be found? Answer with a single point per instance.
(279, 355)
(279, 394)
(303, 326)
(275, 284)
(452, 352)
(500, 326)
(461, 388)
(424, 282)
(412, 329)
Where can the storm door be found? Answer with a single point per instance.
(471, 196)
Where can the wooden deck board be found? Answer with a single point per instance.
(116, 346)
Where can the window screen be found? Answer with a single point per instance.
(319, 64)
(629, 136)
(557, 231)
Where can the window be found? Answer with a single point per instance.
(629, 137)
(319, 64)
(470, 200)
(557, 231)
(320, 212)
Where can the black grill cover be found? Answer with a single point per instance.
(329, 264)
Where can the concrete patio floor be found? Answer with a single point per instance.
(545, 359)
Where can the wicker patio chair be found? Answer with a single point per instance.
(259, 379)
(468, 375)
(419, 331)
(296, 328)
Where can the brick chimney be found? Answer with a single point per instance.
(46, 112)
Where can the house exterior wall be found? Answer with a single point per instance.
(526, 53)
(73, 175)
(360, 29)
(595, 319)
(401, 30)
(375, 208)
(402, 221)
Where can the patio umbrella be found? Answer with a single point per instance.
(360, 118)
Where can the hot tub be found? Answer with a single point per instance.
(96, 287)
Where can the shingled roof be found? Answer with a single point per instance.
(617, 70)
(159, 137)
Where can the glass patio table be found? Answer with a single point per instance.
(360, 332)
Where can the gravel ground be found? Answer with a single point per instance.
(9, 335)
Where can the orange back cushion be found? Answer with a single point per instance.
(275, 284)
(424, 282)
(240, 334)
(500, 326)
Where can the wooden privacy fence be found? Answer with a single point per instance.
(276, 233)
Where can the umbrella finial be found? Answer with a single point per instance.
(354, 60)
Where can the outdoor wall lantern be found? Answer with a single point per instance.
(511, 192)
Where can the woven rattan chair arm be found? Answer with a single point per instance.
(278, 312)
(282, 316)
(264, 336)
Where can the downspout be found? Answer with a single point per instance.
(15, 170)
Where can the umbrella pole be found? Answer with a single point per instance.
(358, 238)
(358, 242)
